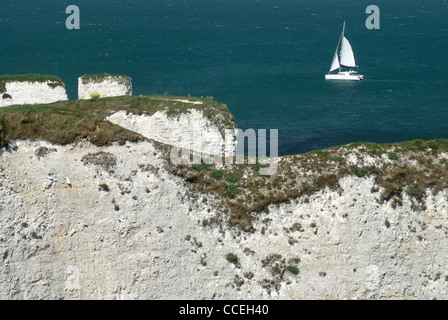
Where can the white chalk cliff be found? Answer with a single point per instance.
(64, 237)
(190, 130)
(107, 86)
(118, 222)
(32, 92)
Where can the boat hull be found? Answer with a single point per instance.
(344, 76)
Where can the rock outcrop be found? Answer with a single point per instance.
(80, 221)
(190, 130)
(103, 85)
(28, 91)
(121, 221)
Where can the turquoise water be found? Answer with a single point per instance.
(265, 59)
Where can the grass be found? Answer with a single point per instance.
(240, 190)
(242, 200)
(65, 122)
(95, 77)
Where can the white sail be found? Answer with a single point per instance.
(335, 64)
(347, 56)
(346, 60)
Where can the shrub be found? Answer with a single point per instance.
(103, 187)
(306, 187)
(232, 258)
(43, 151)
(233, 178)
(420, 144)
(393, 156)
(415, 191)
(230, 189)
(359, 172)
(337, 159)
(116, 207)
(95, 95)
(6, 96)
(293, 270)
(103, 159)
(362, 171)
(200, 167)
(217, 174)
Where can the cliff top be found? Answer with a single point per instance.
(405, 169)
(65, 122)
(412, 169)
(95, 77)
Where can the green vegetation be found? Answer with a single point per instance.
(294, 270)
(96, 77)
(53, 80)
(393, 156)
(65, 122)
(103, 187)
(300, 176)
(116, 208)
(230, 189)
(363, 171)
(241, 192)
(415, 191)
(200, 167)
(102, 159)
(232, 258)
(217, 174)
(232, 178)
(95, 95)
(6, 96)
(277, 266)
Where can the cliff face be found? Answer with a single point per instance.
(104, 85)
(31, 92)
(191, 130)
(119, 220)
(80, 221)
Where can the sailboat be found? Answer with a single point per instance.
(346, 64)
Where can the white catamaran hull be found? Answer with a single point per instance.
(344, 76)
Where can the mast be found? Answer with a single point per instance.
(342, 36)
(336, 56)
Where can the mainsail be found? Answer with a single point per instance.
(347, 56)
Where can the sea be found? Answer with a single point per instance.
(265, 59)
